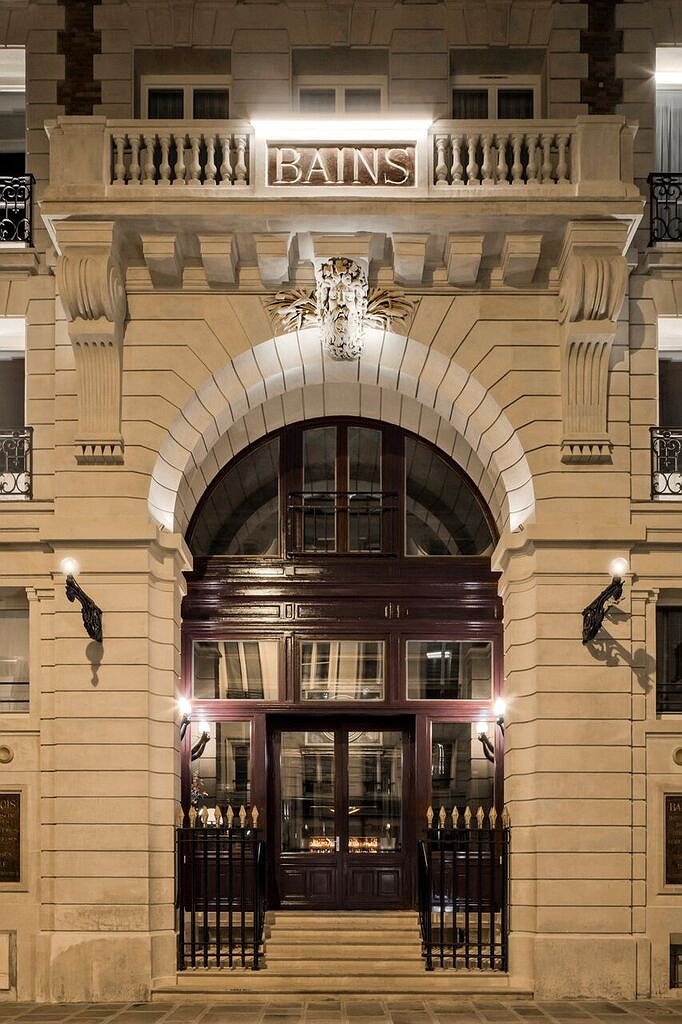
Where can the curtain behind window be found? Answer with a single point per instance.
(13, 645)
(164, 104)
(469, 104)
(669, 130)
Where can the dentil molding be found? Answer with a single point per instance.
(91, 286)
(592, 279)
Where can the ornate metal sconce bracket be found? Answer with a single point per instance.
(488, 748)
(92, 615)
(593, 615)
(200, 746)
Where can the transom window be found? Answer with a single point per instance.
(342, 488)
(319, 95)
(167, 97)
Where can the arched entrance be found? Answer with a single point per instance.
(342, 641)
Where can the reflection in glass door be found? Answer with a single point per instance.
(341, 794)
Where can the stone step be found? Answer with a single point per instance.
(346, 967)
(284, 936)
(225, 985)
(339, 951)
(331, 922)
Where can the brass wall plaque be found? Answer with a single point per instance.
(673, 840)
(368, 166)
(10, 837)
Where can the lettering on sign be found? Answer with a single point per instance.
(369, 166)
(10, 836)
(673, 840)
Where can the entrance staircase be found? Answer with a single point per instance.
(337, 952)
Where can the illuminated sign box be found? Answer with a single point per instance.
(369, 166)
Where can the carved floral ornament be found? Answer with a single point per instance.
(341, 305)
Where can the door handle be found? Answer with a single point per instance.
(337, 843)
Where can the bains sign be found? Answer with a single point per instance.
(369, 166)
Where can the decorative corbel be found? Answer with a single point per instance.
(91, 286)
(592, 279)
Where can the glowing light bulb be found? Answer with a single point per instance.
(184, 706)
(618, 567)
(205, 729)
(69, 566)
(499, 707)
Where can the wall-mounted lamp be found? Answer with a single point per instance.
(484, 740)
(593, 615)
(92, 614)
(185, 708)
(200, 745)
(499, 710)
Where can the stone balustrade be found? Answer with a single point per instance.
(584, 156)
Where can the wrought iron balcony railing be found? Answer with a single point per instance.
(341, 522)
(16, 463)
(16, 223)
(665, 194)
(666, 462)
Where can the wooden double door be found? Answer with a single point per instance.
(342, 812)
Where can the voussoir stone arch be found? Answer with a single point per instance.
(289, 378)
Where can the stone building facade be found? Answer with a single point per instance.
(529, 358)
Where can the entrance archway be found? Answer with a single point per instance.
(342, 645)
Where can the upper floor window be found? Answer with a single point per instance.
(341, 488)
(496, 97)
(669, 660)
(669, 109)
(319, 95)
(14, 651)
(12, 111)
(12, 372)
(203, 98)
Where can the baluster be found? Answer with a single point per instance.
(517, 166)
(210, 170)
(534, 169)
(472, 166)
(502, 169)
(488, 165)
(241, 171)
(194, 163)
(119, 164)
(180, 165)
(562, 162)
(456, 170)
(226, 165)
(149, 168)
(441, 170)
(135, 171)
(164, 166)
(546, 171)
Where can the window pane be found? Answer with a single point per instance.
(317, 101)
(449, 670)
(363, 101)
(514, 103)
(365, 515)
(165, 103)
(669, 660)
(236, 669)
(444, 516)
(461, 775)
(14, 678)
(375, 786)
(241, 515)
(307, 779)
(469, 104)
(342, 670)
(222, 775)
(319, 484)
(211, 104)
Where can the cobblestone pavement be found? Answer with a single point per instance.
(455, 1009)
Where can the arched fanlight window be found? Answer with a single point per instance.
(343, 491)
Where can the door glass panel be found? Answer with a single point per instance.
(307, 774)
(222, 774)
(211, 104)
(364, 486)
(461, 775)
(317, 101)
(165, 103)
(375, 786)
(449, 670)
(363, 101)
(319, 485)
(515, 104)
(236, 669)
(342, 669)
(469, 104)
